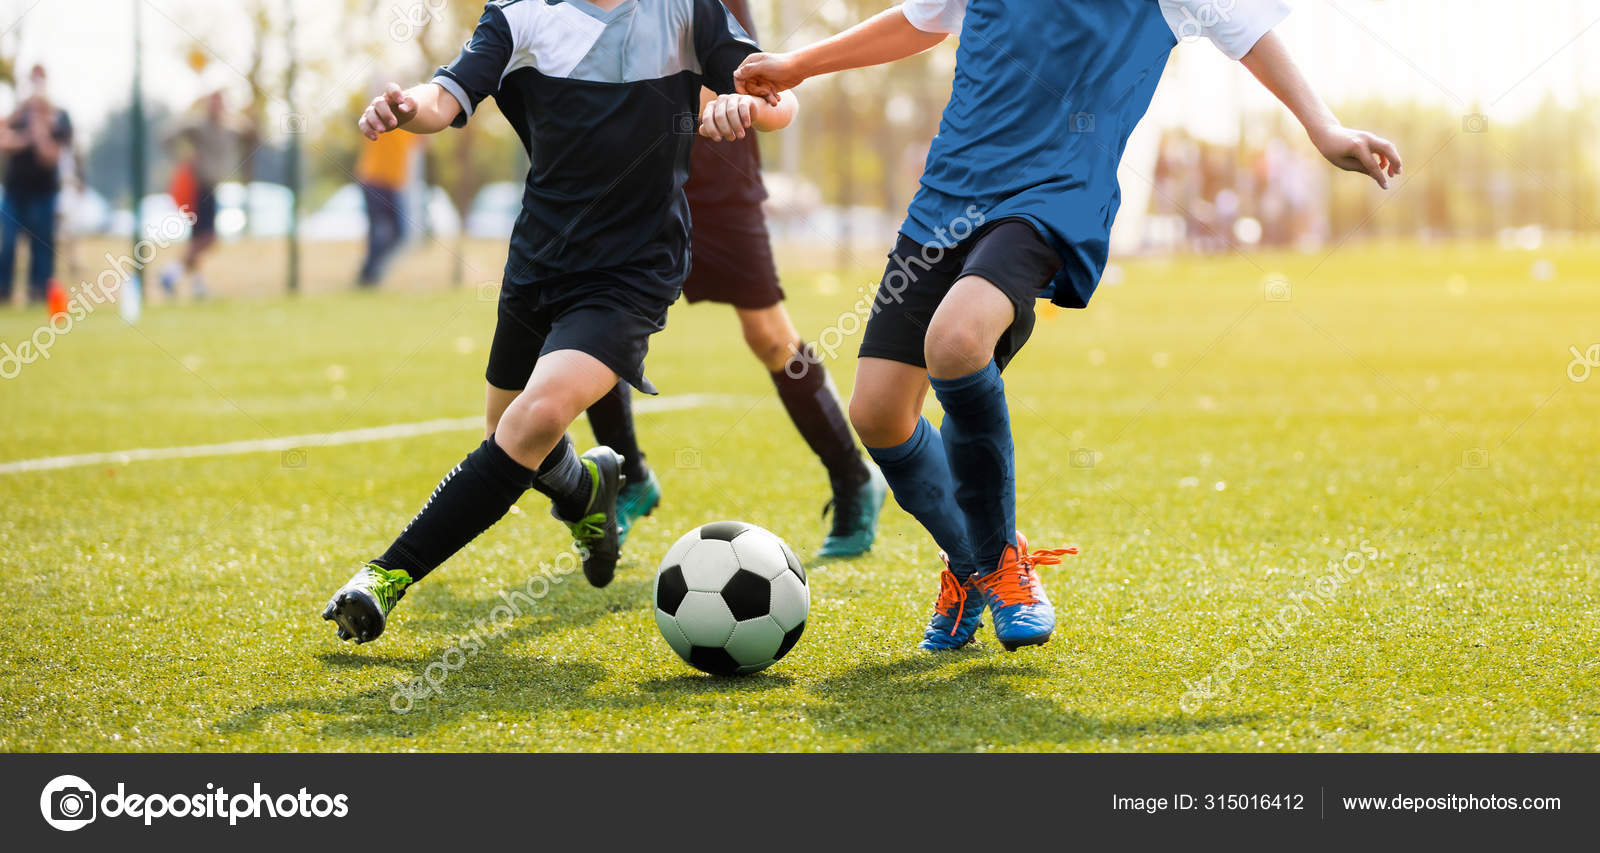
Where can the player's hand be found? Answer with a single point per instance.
(766, 74)
(389, 111)
(1359, 151)
(728, 117)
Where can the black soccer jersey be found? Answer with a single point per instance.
(606, 104)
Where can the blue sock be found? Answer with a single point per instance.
(977, 443)
(919, 476)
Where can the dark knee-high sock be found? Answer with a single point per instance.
(611, 419)
(812, 403)
(977, 442)
(468, 501)
(564, 480)
(919, 475)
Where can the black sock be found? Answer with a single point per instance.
(611, 418)
(468, 501)
(564, 479)
(808, 395)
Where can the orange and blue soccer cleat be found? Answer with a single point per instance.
(1022, 612)
(957, 614)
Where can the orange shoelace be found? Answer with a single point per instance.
(1049, 556)
(1014, 580)
(952, 598)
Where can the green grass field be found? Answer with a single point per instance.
(1363, 518)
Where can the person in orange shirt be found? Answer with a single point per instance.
(383, 169)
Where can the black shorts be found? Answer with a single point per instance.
(1009, 253)
(205, 212)
(605, 313)
(731, 258)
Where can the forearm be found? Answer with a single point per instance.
(765, 117)
(1271, 64)
(884, 37)
(436, 108)
(1351, 150)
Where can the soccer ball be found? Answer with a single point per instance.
(731, 598)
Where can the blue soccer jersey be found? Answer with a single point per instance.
(1045, 95)
(606, 103)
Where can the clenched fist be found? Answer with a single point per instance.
(389, 111)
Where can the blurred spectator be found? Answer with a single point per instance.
(383, 170)
(1209, 197)
(207, 147)
(33, 138)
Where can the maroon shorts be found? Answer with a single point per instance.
(731, 258)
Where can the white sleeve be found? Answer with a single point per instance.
(1233, 25)
(935, 16)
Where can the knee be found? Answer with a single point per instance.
(879, 425)
(953, 349)
(533, 422)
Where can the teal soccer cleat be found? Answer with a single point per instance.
(635, 501)
(855, 518)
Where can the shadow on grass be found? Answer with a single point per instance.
(700, 683)
(929, 703)
(490, 680)
(976, 699)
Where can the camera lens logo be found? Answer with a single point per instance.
(68, 803)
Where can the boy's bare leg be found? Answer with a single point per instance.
(959, 349)
(963, 333)
(495, 403)
(887, 401)
(770, 334)
(886, 409)
(563, 384)
(812, 403)
(526, 449)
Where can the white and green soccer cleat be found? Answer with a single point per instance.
(361, 607)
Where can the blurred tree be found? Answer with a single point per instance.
(262, 33)
(10, 43)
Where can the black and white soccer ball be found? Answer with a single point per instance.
(731, 598)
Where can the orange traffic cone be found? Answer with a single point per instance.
(56, 299)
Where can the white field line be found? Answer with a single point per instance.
(642, 405)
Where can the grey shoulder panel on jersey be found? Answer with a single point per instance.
(647, 40)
